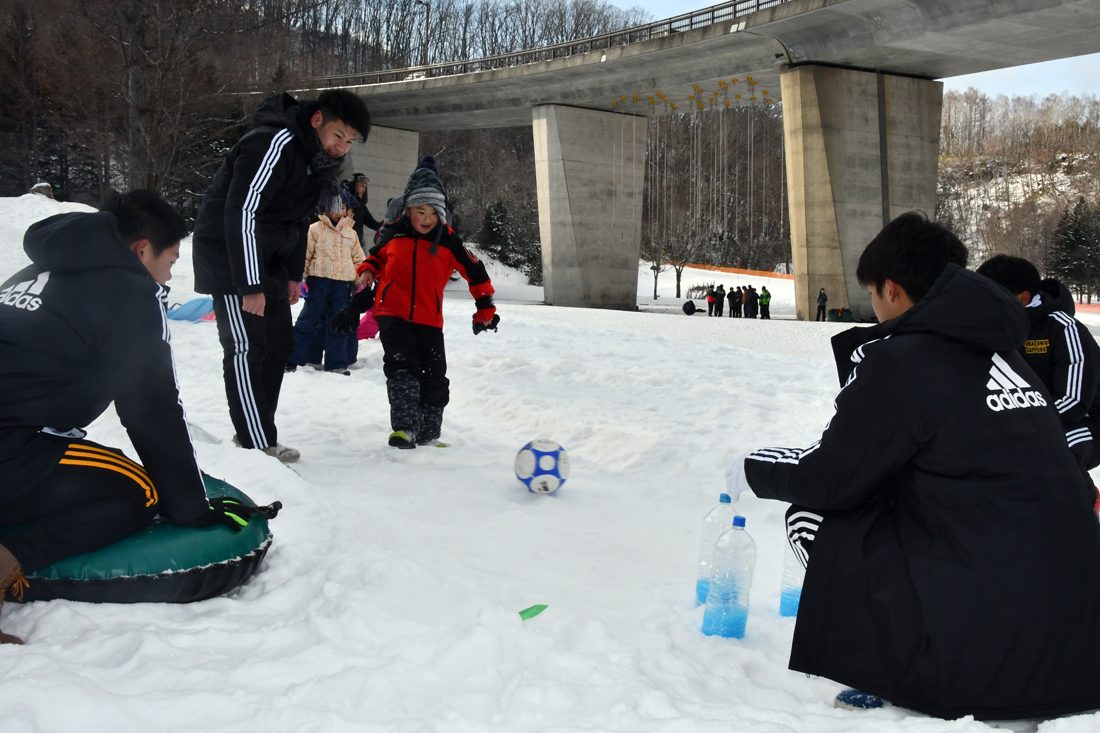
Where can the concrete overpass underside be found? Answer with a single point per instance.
(861, 118)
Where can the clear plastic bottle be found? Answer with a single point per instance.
(727, 610)
(791, 591)
(715, 523)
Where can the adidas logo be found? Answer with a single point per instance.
(1008, 388)
(24, 295)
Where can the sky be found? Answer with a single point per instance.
(1076, 75)
(389, 601)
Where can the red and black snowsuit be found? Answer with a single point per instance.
(412, 270)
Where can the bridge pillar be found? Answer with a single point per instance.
(589, 170)
(861, 149)
(388, 159)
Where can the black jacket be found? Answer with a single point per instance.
(957, 570)
(363, 218)
(1065, 356)
(83, 326)
(250, 235)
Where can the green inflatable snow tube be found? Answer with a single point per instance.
(164, 563)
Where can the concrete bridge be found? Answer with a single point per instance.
(861, 114)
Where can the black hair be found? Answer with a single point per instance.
(347, 107)
(912, 251)
(1014, 273)
(142, 214)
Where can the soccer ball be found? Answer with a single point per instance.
(542, 466)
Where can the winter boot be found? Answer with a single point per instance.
(403, 439)
(11, 579)
(857, 700)
(431, 425)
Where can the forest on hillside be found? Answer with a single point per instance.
(116, 94)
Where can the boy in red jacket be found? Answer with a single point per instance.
(412, 268)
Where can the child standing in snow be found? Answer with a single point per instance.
(332, 254)
(412, 268)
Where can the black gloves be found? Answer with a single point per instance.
(229, 512)
(346, 320)
(491, 325)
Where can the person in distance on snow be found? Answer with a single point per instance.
(250, 245)
(954, 560)
(363, 219)
(332, 255)
(1060, 350)
(81, 327)
(412, 267)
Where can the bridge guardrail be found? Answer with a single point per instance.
(720, 13)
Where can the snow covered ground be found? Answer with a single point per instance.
(389, 599)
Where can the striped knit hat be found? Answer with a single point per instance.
(424, 187)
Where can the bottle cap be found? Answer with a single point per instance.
(738, 521)
(724, 498)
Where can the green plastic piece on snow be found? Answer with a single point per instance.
(532, 611)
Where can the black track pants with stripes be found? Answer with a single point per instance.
(95, 497)
(255, 351)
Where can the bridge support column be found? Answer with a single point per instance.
(589, 169)
(388, 159)
(861, 149)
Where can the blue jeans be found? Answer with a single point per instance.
(312, 332)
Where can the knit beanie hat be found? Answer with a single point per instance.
(424, 187)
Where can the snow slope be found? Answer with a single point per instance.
(389, 599)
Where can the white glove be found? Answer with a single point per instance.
(736, 481)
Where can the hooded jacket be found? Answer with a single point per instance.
(413, 269)
(250, 235)
(1066, 357)
(83, 326)
(957, 569)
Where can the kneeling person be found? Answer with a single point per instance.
(81, 327)
(956, 568)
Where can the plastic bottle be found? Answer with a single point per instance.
(727, 609)
(791, 592)
(715, 523)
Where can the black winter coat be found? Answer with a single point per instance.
(250, 235)
(957, 570)
(83, 326)
(1065, 356)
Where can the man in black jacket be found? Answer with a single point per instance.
(250, 245)
(357, 187)
(1060, 350)
(956, 568)
(81, 327)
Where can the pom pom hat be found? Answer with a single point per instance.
(424, 187)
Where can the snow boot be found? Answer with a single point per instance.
(856, 700)
(11, 579)
(431, 425)
(403, 439)
(403, 391)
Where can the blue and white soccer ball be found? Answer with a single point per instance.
(542, 466)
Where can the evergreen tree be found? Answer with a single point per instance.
(1072, 254)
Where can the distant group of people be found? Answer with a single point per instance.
(744, 302)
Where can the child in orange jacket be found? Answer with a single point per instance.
(412, 269)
